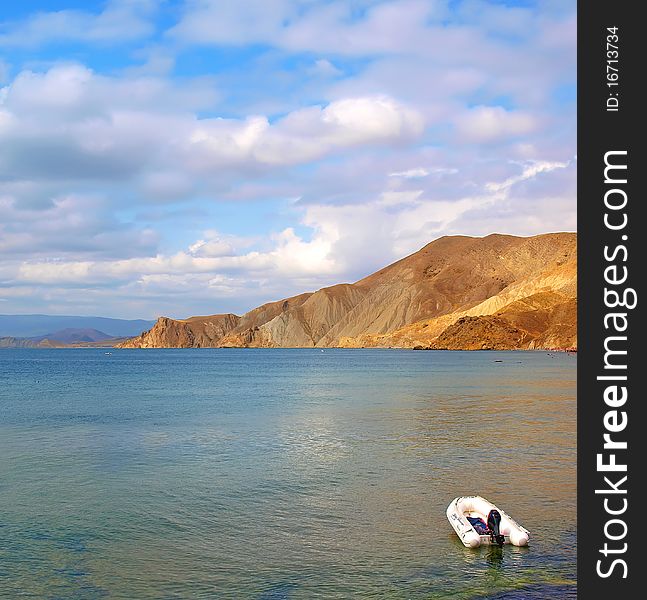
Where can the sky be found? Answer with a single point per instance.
(185, 157)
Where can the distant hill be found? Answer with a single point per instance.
(71, 335)
(75, 338)
(458, 292)
(31, 326)
(14, 342)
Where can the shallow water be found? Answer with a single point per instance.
(282, 474)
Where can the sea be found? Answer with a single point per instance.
(282, 473)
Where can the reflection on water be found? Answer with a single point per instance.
(282, 473)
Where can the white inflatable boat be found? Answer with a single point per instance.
(478, 522)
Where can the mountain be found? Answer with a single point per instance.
(457, 292)
(65, 338)
(14, 342)
(28, 326)
(71, 335)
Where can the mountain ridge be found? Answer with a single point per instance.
(457, 292)
(34, 325)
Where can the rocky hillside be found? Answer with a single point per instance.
(457, 292)
(14, 342)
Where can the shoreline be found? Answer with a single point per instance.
(568, 351)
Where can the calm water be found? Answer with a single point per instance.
(282, 474)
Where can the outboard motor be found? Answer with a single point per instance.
(493, 522)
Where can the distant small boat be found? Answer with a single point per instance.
(478, 522)
(107, 353)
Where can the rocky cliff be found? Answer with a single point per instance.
(457, 292)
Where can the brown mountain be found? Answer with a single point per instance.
(457, 292)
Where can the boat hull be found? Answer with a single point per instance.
(460, 508)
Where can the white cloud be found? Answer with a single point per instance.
(76, 92)
(121, 20)
(307, 133)
(295, 257)
(324, 68)
(291, 257)
(70, 225)
(491, 123)
(406, 126)
(70, 120)
(213, 244)
(341, 242)
(312, 132)
(530, 170)
(395, 26)
(408, 197)
(411, 173)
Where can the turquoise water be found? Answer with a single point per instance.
(282, 474)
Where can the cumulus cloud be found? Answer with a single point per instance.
(335, 138)
(308, 133)
(69, 226)
(396, 26)
(75, 92)
(121, 20)
(72, 122)
(291, 256)
(214, 244)
(492, 123)
(340, 241)
(411, 173)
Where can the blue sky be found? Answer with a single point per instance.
(169, 157)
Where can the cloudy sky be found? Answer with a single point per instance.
(184, 157)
